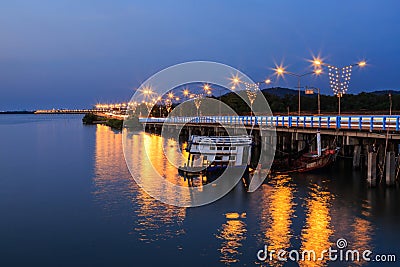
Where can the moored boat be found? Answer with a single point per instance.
(307, 161)
(216, 153)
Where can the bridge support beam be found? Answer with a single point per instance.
(357, 156)
(301, 144)
(390, 168)
(371, 170)
(293, 142)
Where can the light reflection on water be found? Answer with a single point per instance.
(274, 216)
(317, 231)
(110, 186)
(232, 234)
(153, 220)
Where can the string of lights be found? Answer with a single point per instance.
(339, 79)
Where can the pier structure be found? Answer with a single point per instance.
(372, 142)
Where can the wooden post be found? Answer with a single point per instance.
(300, 145)
(283, 143)
(319, 149)
(300, 141)
(366, 150)
(371, 172)
(390, 168)
(356, 156)
(293, 142)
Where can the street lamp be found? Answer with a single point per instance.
(311, 91)
(208, 90)
(168, 105)
(268, 81)
(250, 88)
(185, 92)
(339, 78)
(281, 71)
(197, 103)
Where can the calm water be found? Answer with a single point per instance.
(68, 199)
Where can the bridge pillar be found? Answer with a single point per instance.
(371, 170)
(300, 145)
(293, 142)
(390, 168)
(300, 141)
(357, 156)
(256, 135)
(366, 150)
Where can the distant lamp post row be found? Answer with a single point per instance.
(339, 78)
(281, 71)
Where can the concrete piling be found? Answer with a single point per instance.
(371, 170)
(357, 156)
(390, 168)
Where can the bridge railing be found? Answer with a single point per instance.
(362, 122)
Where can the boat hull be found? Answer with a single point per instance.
(306, 163)
(195, 171)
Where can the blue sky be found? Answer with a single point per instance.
(69, 53)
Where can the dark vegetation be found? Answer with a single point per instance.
(132, 122)
(282, 100)
(115, 123)
(91, 118)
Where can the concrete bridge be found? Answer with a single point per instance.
(66, 111)
(371, 141)
(366, 126)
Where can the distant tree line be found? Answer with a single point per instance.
(282, 102)
(350, 103)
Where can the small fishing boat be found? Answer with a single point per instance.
(216, 153)
(308, 161)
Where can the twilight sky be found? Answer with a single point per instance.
(74, 53)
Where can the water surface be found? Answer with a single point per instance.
(68, 199)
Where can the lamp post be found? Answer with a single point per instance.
(197, 103)
(250, 88)
(159, 101)
(280, 71)
(311, 91)
(339, 78)
(208, 90)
